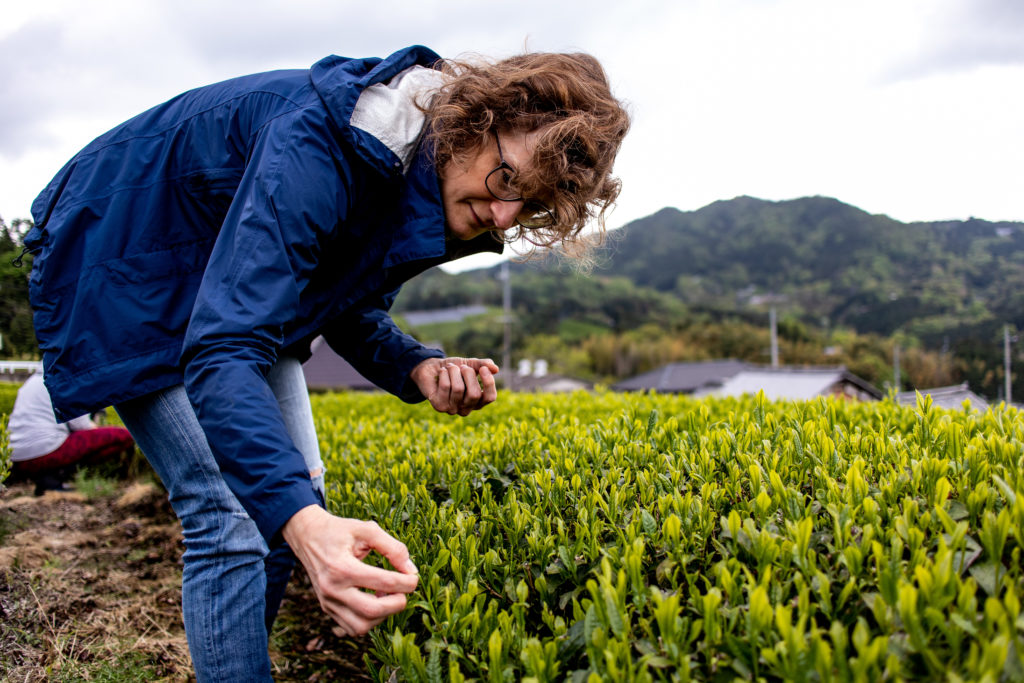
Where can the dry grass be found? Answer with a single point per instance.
(90, 590)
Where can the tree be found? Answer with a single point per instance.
(19, 339)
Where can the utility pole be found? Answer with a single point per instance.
(896, 379)
(1006, 362)
(506, 303)
(775, 337)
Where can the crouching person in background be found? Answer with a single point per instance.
(49, 452)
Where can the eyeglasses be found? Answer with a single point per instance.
(499, 183)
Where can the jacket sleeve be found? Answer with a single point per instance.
(291, 197)
(367, 337)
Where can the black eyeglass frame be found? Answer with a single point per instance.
(534, 215)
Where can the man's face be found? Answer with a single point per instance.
(469, 207)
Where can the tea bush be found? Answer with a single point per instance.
(643, 538)
(5, 451)
(8, 392)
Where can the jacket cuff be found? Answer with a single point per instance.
(407, 390)
(287, 503)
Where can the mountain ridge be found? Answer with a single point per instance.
(827, 258)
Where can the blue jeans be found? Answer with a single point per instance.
(232, 582)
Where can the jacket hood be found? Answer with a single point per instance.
(341, 83)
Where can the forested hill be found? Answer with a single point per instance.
(815, 259)
(819, 257)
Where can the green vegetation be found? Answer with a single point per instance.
(8, 393)
(127, 667)
(848, 287)
(93, 484)
(5, 450)
(676, 286)
(868, 273)
(19, 339)
(611, 537)
(600, 347)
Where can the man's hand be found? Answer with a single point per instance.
(456, 386)
(332, 548)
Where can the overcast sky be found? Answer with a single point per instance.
(910, 108)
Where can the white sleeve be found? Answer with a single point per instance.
(80, 423)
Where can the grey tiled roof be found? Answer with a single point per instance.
(944, 397)
(735, 378)
(443, 315)
(326, 371)
(683, 378)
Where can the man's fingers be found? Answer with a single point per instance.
(477, 363)
(457, 387)
(360, 612)
(370, 536)
(373, 607)
(356, 595)
(470, 398)
(456, 374)
(362, 575)
(480, 388)
(473, 391)
(489, 390)
(440, 399)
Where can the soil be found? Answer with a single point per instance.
(90, 589)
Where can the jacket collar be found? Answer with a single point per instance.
(421, 233)
(373, 101)
(341, 84)
(389, 111)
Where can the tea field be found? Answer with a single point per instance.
(607, 537)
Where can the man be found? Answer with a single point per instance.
(185, 259)
(49, 452)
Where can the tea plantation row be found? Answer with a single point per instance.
(646, 538)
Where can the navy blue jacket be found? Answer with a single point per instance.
(204, 238)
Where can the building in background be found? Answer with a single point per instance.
(533, 376)
(19, 370)
(327, 371)
(952, 397)
(736, 378)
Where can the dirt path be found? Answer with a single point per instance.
(90, 589)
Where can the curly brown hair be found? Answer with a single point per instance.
(564, 96)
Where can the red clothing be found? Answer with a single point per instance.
(80, 448)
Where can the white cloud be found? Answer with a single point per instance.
(964, 35)
(904, 107)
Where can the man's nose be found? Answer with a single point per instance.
(505, 214)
